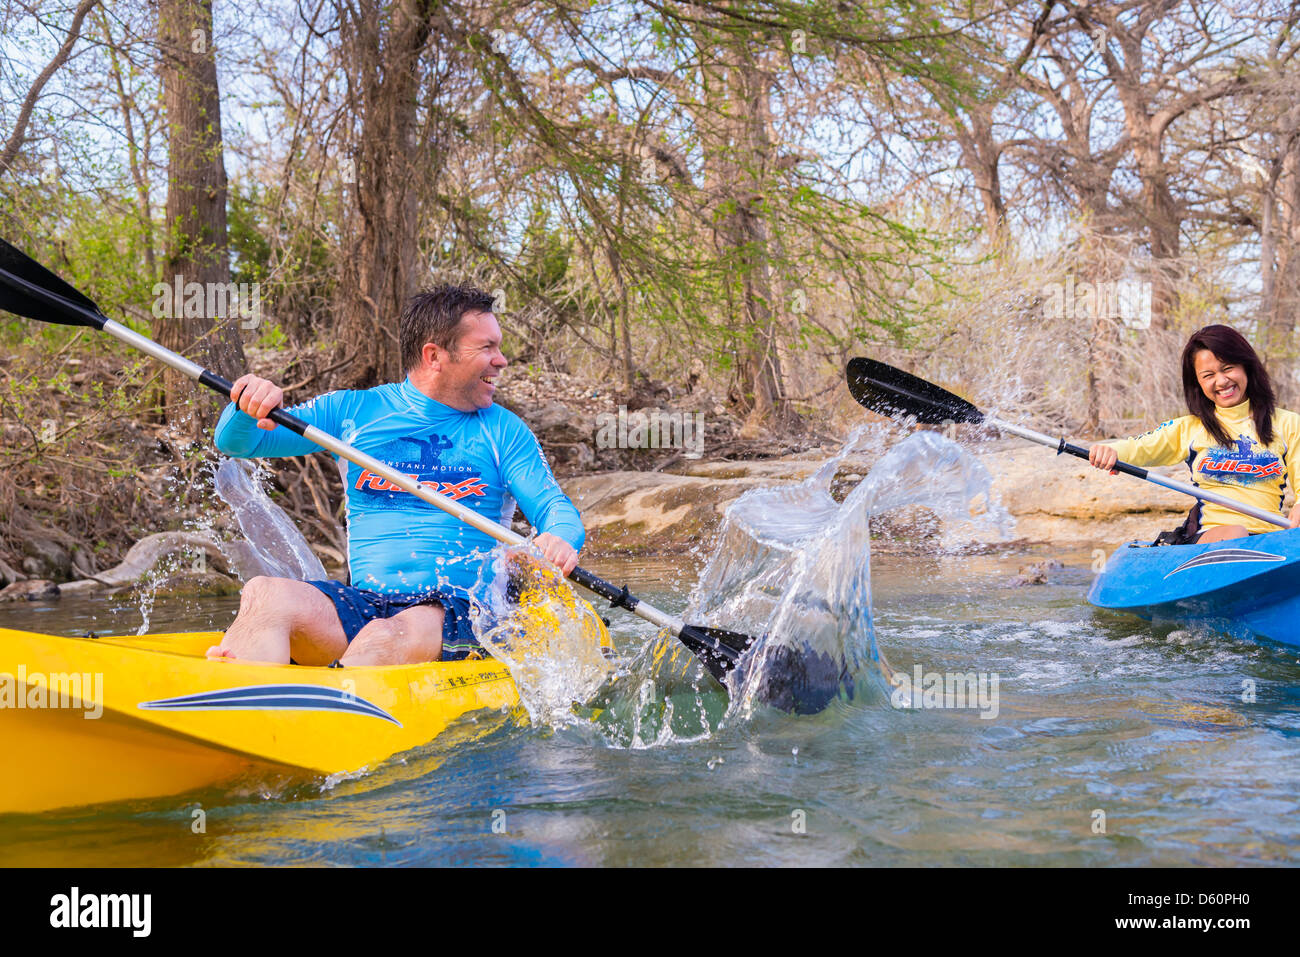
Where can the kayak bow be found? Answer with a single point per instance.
(83, 721)
(1245, 587)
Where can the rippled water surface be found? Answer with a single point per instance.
(1097, 712)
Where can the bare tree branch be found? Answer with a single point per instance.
(15, 141)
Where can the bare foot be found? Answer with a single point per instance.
(254, 652)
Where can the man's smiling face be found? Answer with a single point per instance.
(466, 377)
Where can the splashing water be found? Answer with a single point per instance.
(272, 544)
(794, 566)
(522, 610)
(278, 548)
(789, 563)
(146, 596)
(555, 645)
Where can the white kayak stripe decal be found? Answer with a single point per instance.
(1227, 556)
(271, 698)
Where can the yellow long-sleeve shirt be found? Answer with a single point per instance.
(1249, 472)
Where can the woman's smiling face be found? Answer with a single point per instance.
(1223, 383)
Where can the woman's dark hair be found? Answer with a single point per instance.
(1229, 347)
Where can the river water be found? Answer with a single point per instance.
(1106, 741)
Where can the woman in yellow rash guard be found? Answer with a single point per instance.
(1236, 441)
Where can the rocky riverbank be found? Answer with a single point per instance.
(126, 514)
(1055, 500)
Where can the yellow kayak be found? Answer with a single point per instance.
(86, 720)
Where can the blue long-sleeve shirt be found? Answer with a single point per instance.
(398, 543)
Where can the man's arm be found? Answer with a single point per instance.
(243, 430)
(530, 480)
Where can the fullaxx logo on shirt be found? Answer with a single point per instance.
(1248, 460)
(470, 486)
(425, 456)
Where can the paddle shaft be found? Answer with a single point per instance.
(1062, 446)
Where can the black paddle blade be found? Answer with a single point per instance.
(717, 649)
(799, 680)
(895, 393)
(29, 289)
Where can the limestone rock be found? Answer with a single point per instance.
(190, 585)
(1062, 499)
(648, 512)
(46, 558)
(1035, 574)
(1056, 499)
(549, 415)
(33, 589)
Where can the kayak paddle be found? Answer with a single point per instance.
(893, 392)
(29, 289)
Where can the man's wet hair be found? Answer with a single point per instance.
(434, 316)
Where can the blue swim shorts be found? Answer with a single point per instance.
(356, 606)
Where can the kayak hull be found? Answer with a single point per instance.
(1246, 587)
(84, 721)
(89, 720)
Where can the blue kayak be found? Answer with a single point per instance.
(1246, 587)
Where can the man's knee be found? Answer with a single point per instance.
(374, 632)
(402, 628)
(265, 592)
(262, 591)
(283, 600)
(412, 636)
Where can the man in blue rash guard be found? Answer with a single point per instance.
(407, 602)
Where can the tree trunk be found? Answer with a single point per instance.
(196, 212)
(746, 165)
(1280, 243)
(980, 154)
(1162, 221)
(625, 325)
(1286, 280)
(382, 48)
